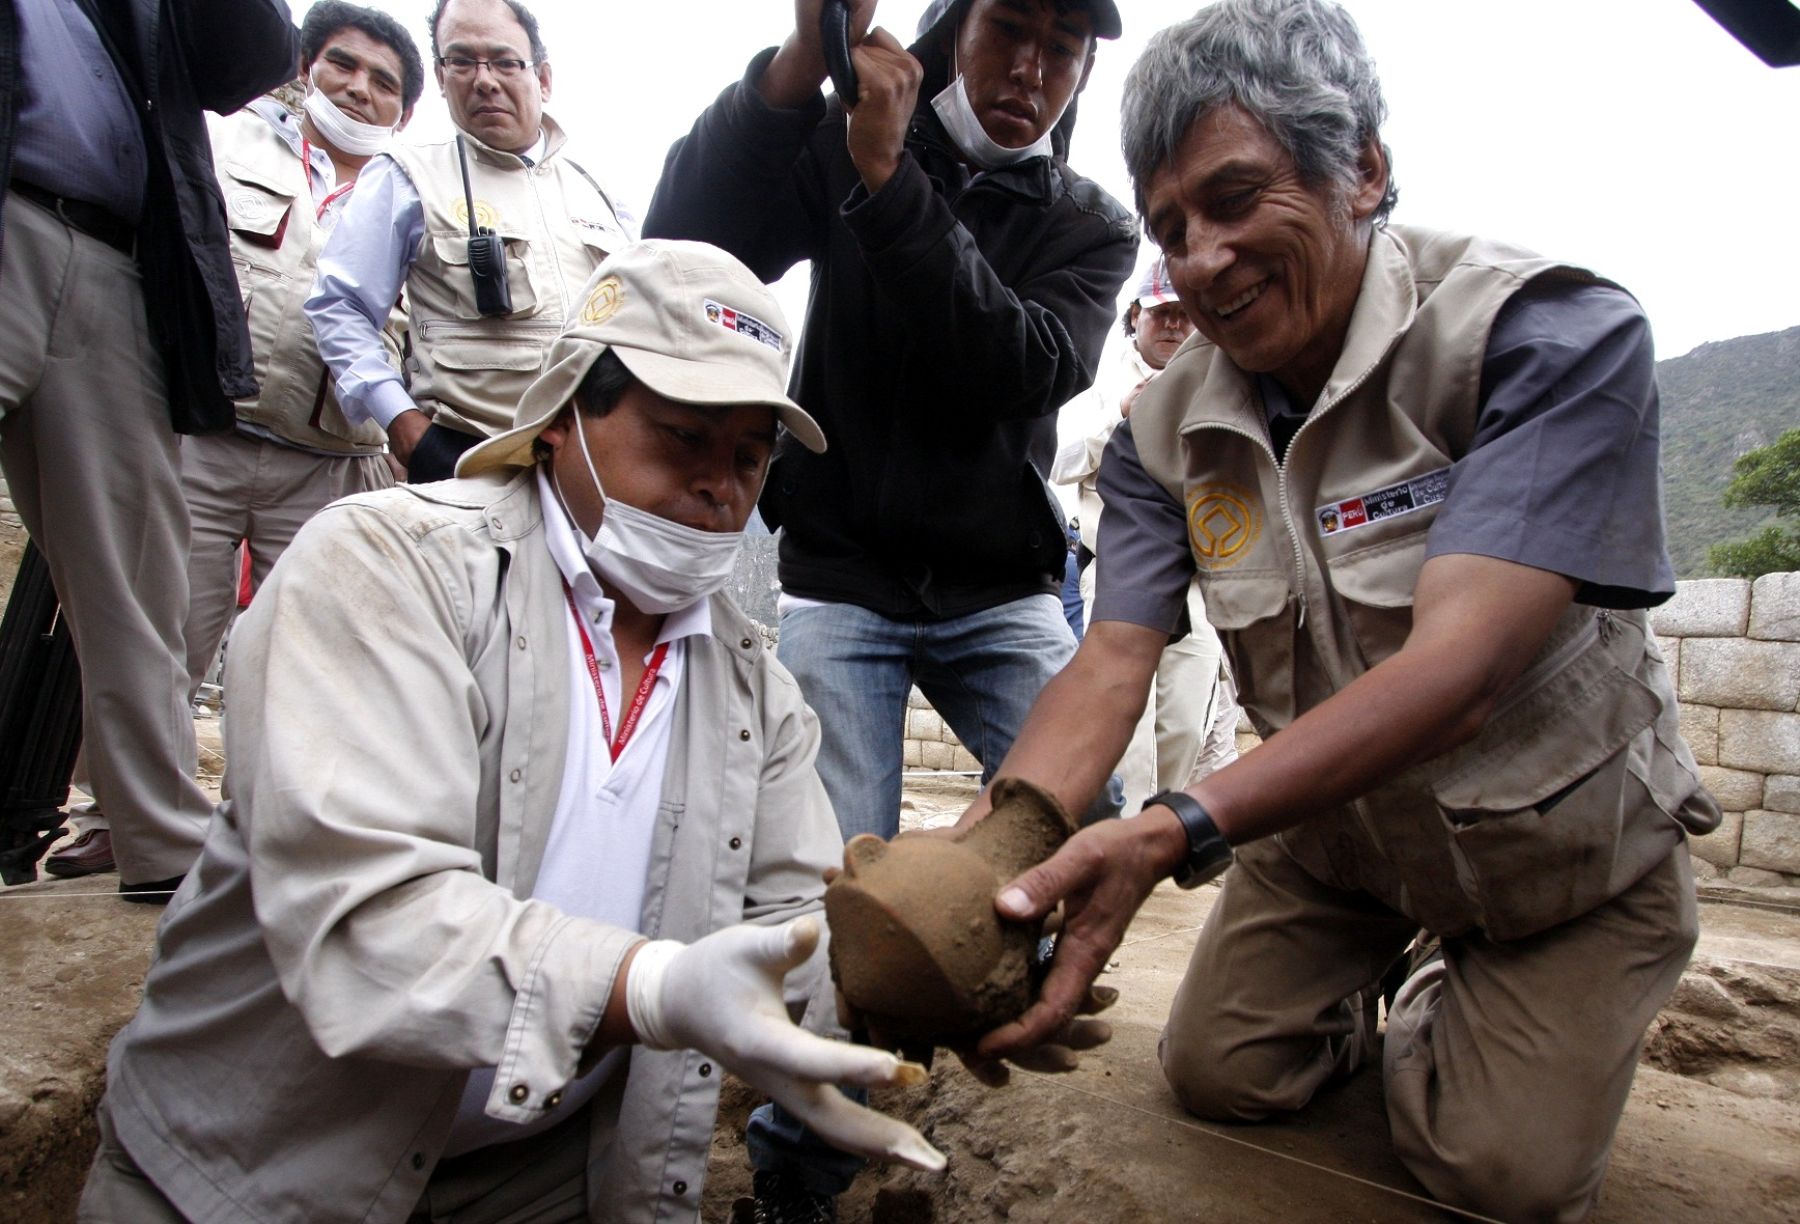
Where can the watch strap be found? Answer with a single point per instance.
(1208, 852)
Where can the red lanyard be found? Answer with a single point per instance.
(331, 197)
(638, 701)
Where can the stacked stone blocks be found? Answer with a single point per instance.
(930, 743)
(1733, 646)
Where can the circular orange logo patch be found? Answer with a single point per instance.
(1224, 520)
(484, 214)
(604, 302)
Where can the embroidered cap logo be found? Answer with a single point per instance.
(604, 302)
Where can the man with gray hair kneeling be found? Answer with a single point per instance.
(1415, 474)
(488, 735)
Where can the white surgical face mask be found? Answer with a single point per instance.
(345, 134)
(958, 117)
(660, 566)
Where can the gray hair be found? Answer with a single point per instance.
(1299, 67)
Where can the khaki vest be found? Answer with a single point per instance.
(469, 371)
(1579, 783)
(275, 244)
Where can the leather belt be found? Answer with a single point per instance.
(91, 219)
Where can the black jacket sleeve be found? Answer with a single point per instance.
(744, 179)
(1033, 343)
(235, 49)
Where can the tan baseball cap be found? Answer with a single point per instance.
(688, 320)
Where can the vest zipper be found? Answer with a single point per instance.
(1286, 514)
(1281, 484)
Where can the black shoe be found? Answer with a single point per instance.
(1422, 949)
(783, 1199)
(150, 892)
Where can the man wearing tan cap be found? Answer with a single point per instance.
(520, 813)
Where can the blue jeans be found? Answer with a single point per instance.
(982, 672)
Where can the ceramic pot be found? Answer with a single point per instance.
(917, 949)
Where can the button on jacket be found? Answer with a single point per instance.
(340, 956)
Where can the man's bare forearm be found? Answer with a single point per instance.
(1478, 622)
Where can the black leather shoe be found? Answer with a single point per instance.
(89, 854)
(150, 892)
(784, 1199)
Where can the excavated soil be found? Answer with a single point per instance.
(1711, 1132)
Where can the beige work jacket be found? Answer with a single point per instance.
(359, 931)
(275, 243)
(1579, 783)
(558, 225)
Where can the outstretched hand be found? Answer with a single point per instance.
(1101, 877)
(722, 995)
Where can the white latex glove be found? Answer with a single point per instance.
(721, 995)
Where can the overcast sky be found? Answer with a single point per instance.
(1634, 137)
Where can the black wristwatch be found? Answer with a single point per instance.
(1209, 854)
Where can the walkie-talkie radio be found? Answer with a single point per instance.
(487, 254)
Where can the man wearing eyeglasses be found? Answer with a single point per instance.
(409, 227)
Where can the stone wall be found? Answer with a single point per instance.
(1733, 646)
(930, 744)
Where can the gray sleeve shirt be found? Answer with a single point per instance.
(1562, 473)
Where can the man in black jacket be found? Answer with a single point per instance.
(121, 326)
(963, 280)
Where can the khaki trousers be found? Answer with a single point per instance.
(93, 467)
(538, 1180)
(247, 489)
(1506, 1066)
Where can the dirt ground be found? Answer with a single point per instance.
(1712, 1130)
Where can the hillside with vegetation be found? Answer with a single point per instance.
(1718, 402)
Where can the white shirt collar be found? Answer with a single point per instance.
(287, 126)
(596, 608)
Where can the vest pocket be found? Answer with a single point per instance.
(1546, 811)
(1376, 583)
(453, 251)
(1254, 614)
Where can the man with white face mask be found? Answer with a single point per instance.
(491, 967)
(963, 281)
(285, 180)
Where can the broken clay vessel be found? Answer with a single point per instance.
(917, 948)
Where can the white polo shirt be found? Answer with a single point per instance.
(598, 853)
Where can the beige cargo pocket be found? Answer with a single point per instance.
(453, 251)
(1546, 817)
(257, 215)
(1376, 583)
(1254, 614)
